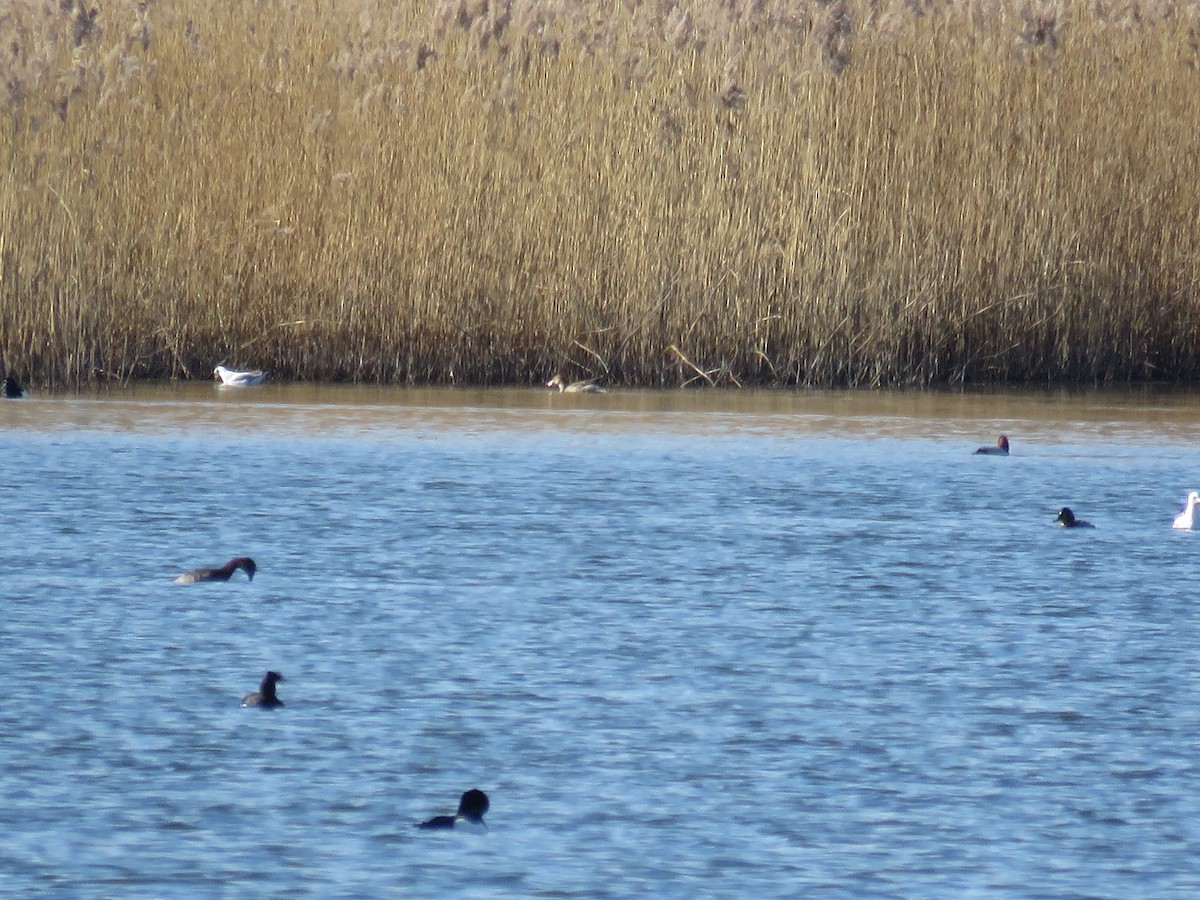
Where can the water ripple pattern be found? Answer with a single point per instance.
(686, 655)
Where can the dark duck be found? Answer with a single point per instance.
(471, 807)
(1067, 519)
(220, 573)
(265, 697)
(1001, 448)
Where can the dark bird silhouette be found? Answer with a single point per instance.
(265, 696)
(1001, 448)
(471, 807)
(1067, 519)
(221, 573)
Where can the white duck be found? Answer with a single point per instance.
(234, 378)
(575, 387)
(1187, 518)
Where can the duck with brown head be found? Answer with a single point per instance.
(220, 573)
(1001, 448)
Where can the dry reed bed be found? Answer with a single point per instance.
(763, 193)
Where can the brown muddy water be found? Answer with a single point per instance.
(326, 408)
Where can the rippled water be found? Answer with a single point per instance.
(719, 645)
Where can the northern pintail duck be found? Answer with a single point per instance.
(1067, 519)
(234, 378)
(220, 573)
(1187, 518)
(13, 389)
(575, 387)
(265, 696)
(1001, 448)
(471, 807)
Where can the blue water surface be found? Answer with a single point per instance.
(705, 652)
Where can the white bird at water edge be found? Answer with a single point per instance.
(234, 378)
(575, 387)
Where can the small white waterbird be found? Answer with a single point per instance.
(575, 387)
(1187, 518)
(234, 378)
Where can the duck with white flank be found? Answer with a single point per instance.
(220, 573)
(1067, 519)
(575, 387)
(1001, 448)
(234, 378)
(1187, 518)
(471, 807)
(265, 697)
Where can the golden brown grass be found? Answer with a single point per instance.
(490, 192)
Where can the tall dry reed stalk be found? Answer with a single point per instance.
(487, 192)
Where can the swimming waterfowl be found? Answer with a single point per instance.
(1001, 448)
(575, 387)
(1067, 519)
(1187, 518)
(471, 807)
(220, 573)
(265, 696)
(13, 389)
(234, 378)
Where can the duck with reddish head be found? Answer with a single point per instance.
(471, 807)
(1001, 448)
(220, 573)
